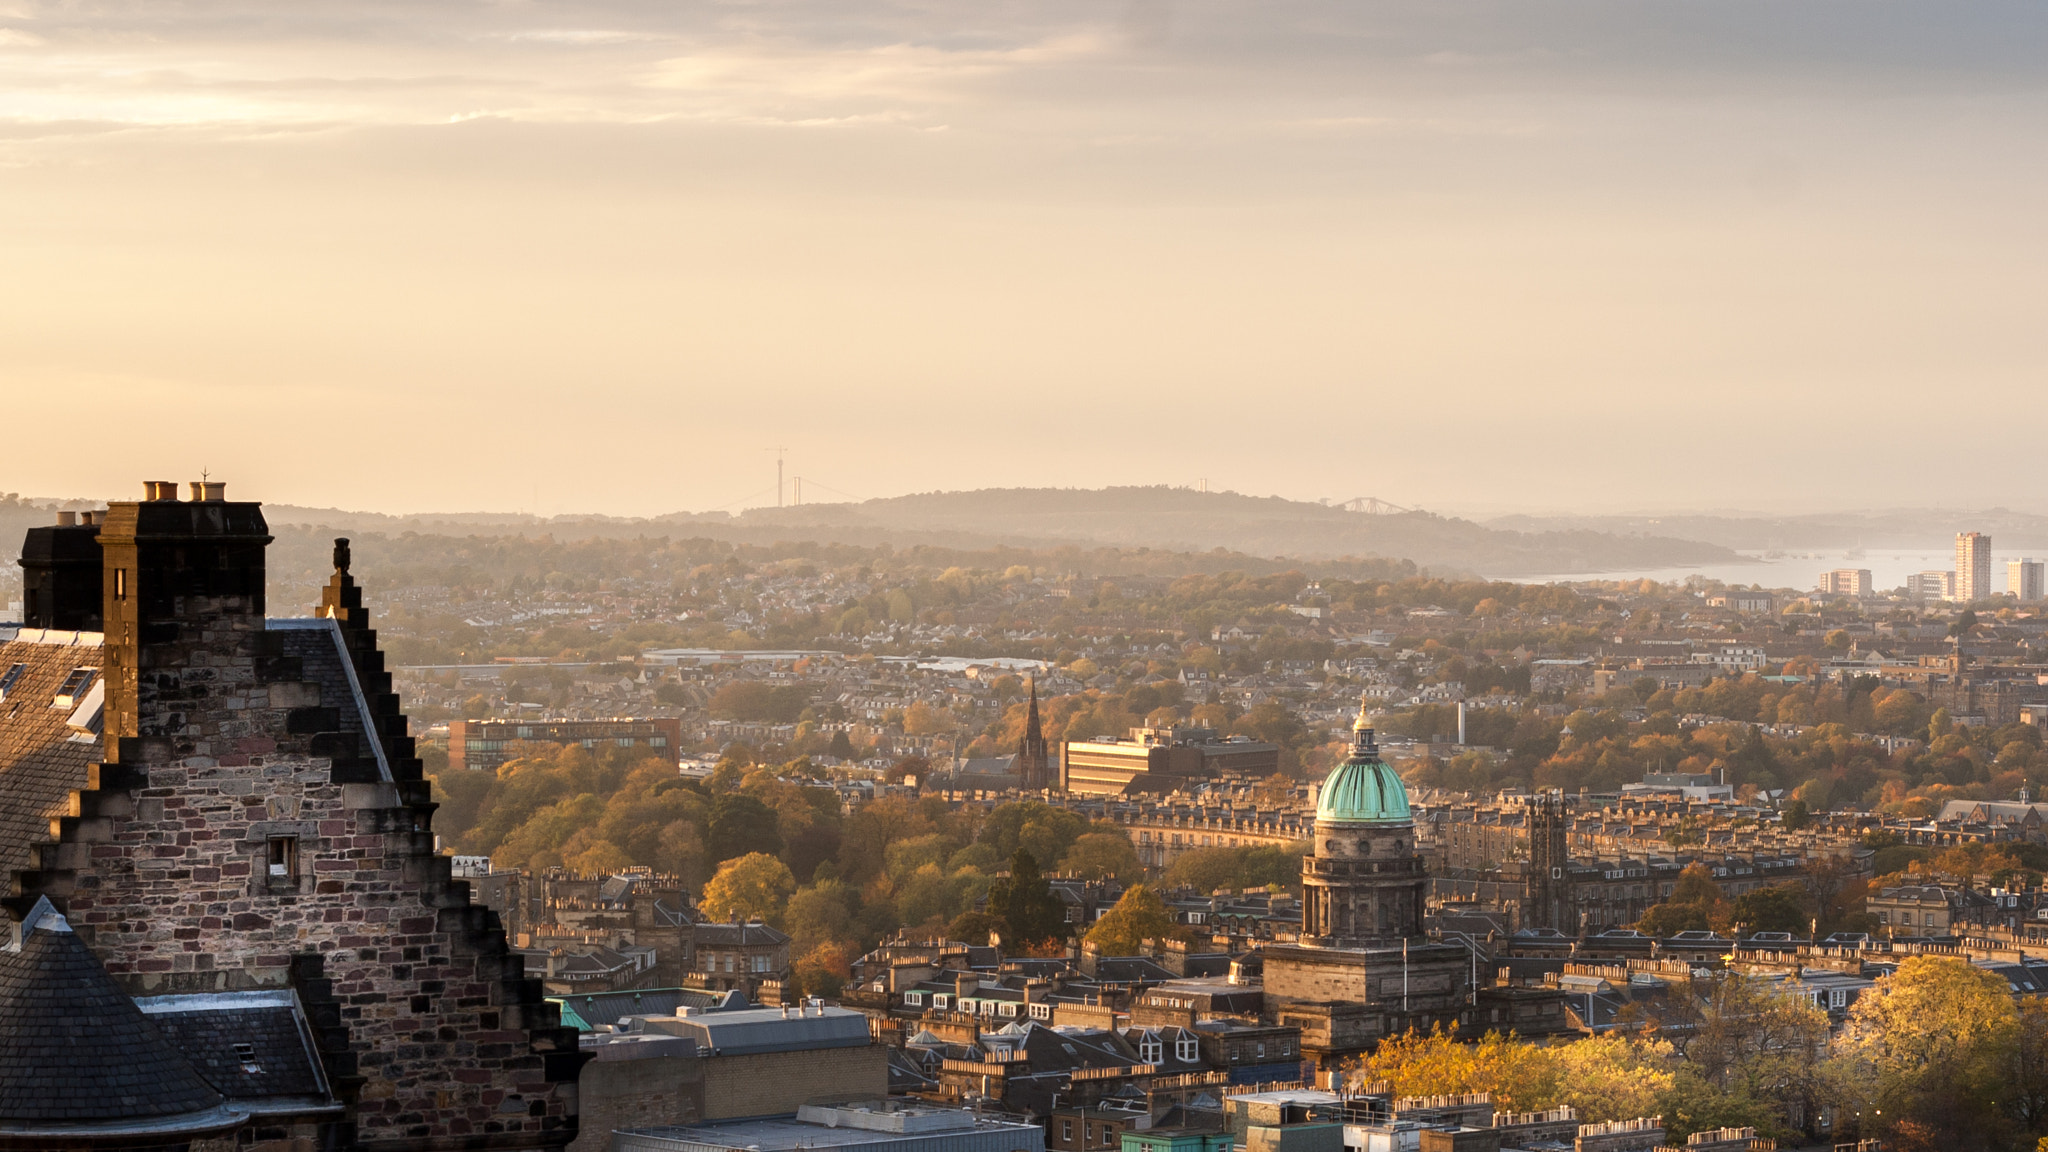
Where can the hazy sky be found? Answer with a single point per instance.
(601, 256)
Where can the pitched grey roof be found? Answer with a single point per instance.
(42, 760)
(248, 1045)
(74, 1047)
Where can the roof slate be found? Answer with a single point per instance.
(73, 1047)
(41, 765)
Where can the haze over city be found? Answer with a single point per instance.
(1115, 576)
(599, 257)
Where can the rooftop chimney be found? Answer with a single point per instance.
(209, 490)
(157, 490)
(61, 575)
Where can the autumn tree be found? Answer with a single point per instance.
(754, 886)
(1930, 1047)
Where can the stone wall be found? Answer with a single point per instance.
(637, 1093)
(427, 1025)
(776, 1083)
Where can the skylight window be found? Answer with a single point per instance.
(7, 681)
(74, 687)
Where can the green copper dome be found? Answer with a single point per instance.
(1363, 789)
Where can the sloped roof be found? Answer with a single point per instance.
(74, 1047)
(248, 1045)
(41, 763)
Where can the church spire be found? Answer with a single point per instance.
(1034, 759)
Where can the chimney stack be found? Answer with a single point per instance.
(61, 574)
(209, 491)
(185, 580)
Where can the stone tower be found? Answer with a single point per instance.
(1545, 903)
(1365, 884)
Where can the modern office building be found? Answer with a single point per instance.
(1160, 760)
(1931, 585)
(1973, 566)
(484, 744)
(1845, 582)
(2023, 578)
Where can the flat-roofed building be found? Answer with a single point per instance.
(1160, 760)
(2023, 578)
(1845, 582)
(482, 745)
(1973, 566)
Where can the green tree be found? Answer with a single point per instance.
(741, 824)
(1774, 909)
(1102, 856)
(1024, 902)
(1140, 916)
(1795, 816)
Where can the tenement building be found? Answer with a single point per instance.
(221, 856)
(1363, 970)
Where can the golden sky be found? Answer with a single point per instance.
(602, 255)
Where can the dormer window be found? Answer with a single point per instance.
(1186, 1050)
(1150, 1049)
(74, 686)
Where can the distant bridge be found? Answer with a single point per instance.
(1373, 506)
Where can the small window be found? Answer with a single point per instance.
(283, 857)
(1186, 1049)
(913, 999)
(1108, 1135)
(625, 741)
(657, 741)
(760, 963)
(246, 1055)
(7, 681)
(74, 686)
(120, 583)
(1067, 1131)
(941, 1000)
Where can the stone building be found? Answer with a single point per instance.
(1363, 969)
(219, 802)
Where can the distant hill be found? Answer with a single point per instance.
(1178, 519)
(1173, 519)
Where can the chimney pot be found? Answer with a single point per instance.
(209, 490)
(157, 490)
(88, 518)
(66, 519)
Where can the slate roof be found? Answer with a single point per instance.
(584, 1011)
(248, 1045)
(40, 762)
(736, 936)
(74, 1047)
